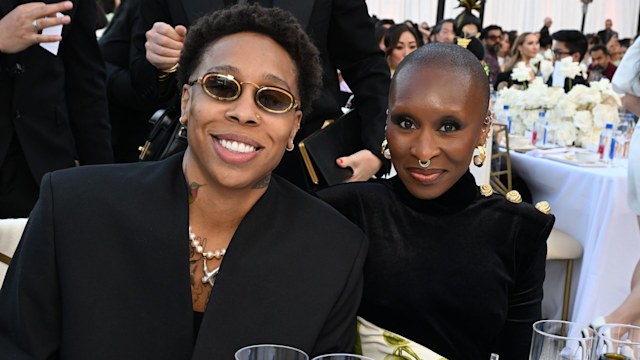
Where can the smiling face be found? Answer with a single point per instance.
(435, 114)
(405, 46)
(236, 144)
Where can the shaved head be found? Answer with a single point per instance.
(452, 58)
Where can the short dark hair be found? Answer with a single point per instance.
(392, 36)
(576, 41)
(599, 47)
(280, 25)
(446, 56)
(485, 32)
(438, 27)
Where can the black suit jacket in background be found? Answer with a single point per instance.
(342, 31)
(102, 272)
(56, 105)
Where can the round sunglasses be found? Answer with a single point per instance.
(225, 87)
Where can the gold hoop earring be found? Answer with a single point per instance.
(182, 121)
(425, 164)
(384, 149)
(478, 160)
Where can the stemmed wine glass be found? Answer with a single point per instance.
(618, 341)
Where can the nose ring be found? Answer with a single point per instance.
(424, 165)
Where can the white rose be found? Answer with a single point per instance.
(536, 59)
(521, 72)
(604, 114)
(546, 69)
(570, 69)
(583, 120)
(566, 134)
(548, 54)
(565, 108)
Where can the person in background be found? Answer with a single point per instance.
(203, 253)
(504, 57)
(601, 64)
(445, 275)
(570, 43)
(525, 47)
(627, 81)
(607, 33)
(443, 32)
(53, 107)
(425, 31)
(491, 38)
(544, 31)
(399, 41)
(342, 31)
(615, 49)
(592, 40)
(380, 32)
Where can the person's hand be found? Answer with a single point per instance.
(20, 28)
(163, 45)
(363, 163)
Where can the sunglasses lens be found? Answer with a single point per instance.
(221, 87)
(274, 100)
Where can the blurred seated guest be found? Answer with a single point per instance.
(120, 261)
(452, 268)
(525, 48)
(416, 30)
(570, 43)
(399, 41)
(491, 37)
(443, 32)
(504, 56)
(625, 44)
(425, 31)
(592, 40)
(601, 65)
(615, 49)
(387, 23)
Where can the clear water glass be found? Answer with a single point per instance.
(618, 341)
(270, 352)
(561, 340)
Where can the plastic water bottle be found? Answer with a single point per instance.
(605, 148)
(537, 132)
(505, 118)
(622, 139)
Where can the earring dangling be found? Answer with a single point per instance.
(479, 159)
(182, 121)
(384, 149)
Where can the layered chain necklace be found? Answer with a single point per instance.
(209, 276)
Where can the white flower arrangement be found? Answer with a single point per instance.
(570, 69)
(579, 115)
(521, 72)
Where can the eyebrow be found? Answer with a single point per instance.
(232, 69)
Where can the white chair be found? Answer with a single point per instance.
(10, 233)
(562, 246)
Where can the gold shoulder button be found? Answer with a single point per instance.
(544, 207)
(514, 197)
(486, 190)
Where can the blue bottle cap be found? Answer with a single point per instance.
(608, 126)
(506, 107)
(541, 114)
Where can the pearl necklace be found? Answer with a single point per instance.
(209, 276)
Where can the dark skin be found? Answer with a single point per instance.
(435, 114)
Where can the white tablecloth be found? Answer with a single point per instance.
(590, 204)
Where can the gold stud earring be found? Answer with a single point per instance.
(384, 149)
(479, 159)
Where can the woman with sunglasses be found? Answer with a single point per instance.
(453, 270)
(205, 252)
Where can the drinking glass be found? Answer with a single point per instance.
(270, 352)
(341, 357)
(617, 341)
(561, 340)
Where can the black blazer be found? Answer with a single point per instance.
(56, 105)
(102, 272)
(342, 31)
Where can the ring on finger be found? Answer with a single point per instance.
(35, 25)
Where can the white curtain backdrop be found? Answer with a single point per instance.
(522, 15)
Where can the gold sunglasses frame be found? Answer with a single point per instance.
(201, 80)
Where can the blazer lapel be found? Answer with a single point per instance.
(194, 9)
(301, 9)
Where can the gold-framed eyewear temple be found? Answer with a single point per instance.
(225, 87)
